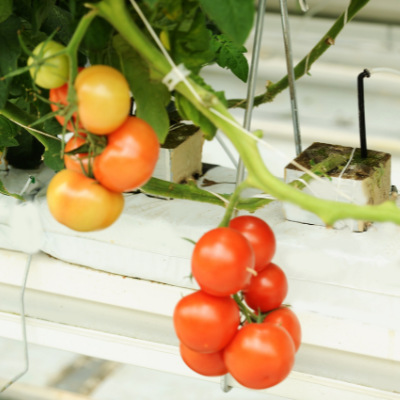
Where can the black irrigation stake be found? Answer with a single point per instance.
(361, 111)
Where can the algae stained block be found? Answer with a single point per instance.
(180, 155)
(364, 181)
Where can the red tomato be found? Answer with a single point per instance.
(260, 355)
(129, 158)
(206, 323)
(267, 290)
(104, 99)
(211, 364)
(220, 262)
(286, 319)
(59, 95)
(81, 203)
(260, 236)
(72, 161)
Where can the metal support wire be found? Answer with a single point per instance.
(251, 86)
(291, 76)
(226, 149)
(23, 325)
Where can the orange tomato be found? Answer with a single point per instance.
(129, 158)
(72, 161)
(103, 99)
(81, 203)
(210, 364)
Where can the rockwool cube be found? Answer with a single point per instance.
(361, 181)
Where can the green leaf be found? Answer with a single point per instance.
(59, 19)
(10, 50)
(230, 56)
(5, 9)
(41, 10)
(189, 112)
(151, 97)
(193, 47)
(233, 17)
(151, 3)
(158, 187)
(3, 190)
(8, 131)
(97, 36)
(30, 150)
(52, 155)
(28, 153)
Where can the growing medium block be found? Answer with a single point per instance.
(180, 155)
(364, 181)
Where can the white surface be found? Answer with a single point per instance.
(298, 386)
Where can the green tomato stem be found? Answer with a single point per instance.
(245, 311)
(232, 203)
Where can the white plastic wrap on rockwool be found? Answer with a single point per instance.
(334, 272)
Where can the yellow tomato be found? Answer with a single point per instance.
(81, 203)
(103, 99)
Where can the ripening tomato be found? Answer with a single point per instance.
(59, 95)
(221, 261)
(286, 319)
(54, 72)
(210, 364)
(260, 236)
(81, 203)
(103, 99)
(260, 355)
(129, 159)
(267, 290)
(206, 323)
(75, 162)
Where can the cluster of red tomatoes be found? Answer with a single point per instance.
(131, 152)
(259, 351)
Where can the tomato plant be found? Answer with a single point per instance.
(221, 261)
(81, 203)
(207, 364)
(103, 99)
(206, 323)
(260, 236)
(267, 290)
(53, 73)
(260, 355)
(286, 319)
(76, 162)
(129, 159)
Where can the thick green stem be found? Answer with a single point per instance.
(233, 203)
(302, 68)
(72, 50)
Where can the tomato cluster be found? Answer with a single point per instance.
(259, 351)
(129, 151)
